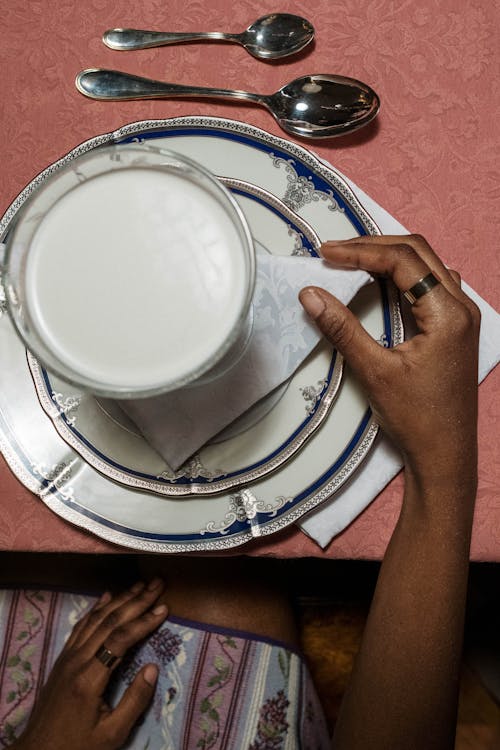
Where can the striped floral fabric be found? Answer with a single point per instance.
(217, 688)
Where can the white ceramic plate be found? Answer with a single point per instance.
(49, 466)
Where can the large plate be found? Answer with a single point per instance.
(144, 520)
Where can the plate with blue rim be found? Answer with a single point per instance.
(93, 468)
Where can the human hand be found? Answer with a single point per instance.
(71, 711)
(423, 392)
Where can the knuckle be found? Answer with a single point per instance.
(403, 253)
(112, 736)
(93, 618)
(80, 685)
(70, 662)
(112, 620)
(462, 319)
(475, 313)
(119, 636)
(404, 249)
(419, 239)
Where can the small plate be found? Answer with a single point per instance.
(75, 490)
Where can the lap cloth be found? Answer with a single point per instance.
(217, 688)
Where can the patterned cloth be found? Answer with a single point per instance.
(217, 688)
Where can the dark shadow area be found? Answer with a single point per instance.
(482, 642)
(331, 600)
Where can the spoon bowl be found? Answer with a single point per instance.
(268, 38)
(277, 35)
(313, 106)
(323, 106)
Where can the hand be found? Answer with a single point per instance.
(71, 712)
(423, 392)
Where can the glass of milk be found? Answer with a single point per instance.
(130, 272)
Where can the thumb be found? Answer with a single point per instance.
(341, 327)
(134, 702)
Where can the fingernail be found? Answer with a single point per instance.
(161, 609)
(150, 674)
(312, 303)
(154, 584)
(137, 587)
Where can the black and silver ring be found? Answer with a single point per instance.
(106, 657)
(420, 288)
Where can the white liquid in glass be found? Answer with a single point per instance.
(136, 278)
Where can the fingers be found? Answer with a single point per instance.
(118, 632)
(420, 245)
(91, 620)
(126, 624)
(101, 620)
(405, 266)
(76, 633)
(120, 722)
(405, 260)
(449, 279)
(344, 331)
(126, 635)
(398, 260)
(117, 623)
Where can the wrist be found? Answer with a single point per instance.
(443, 494)
(450, 466)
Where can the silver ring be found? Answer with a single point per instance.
(106, 657)
(420, 288)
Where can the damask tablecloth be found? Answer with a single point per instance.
(432, 159)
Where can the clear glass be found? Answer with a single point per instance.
(46, 199)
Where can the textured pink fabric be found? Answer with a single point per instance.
(432, 159)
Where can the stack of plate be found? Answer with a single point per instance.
(277, 462)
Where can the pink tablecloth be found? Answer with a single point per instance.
(432, 159)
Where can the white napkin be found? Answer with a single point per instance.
(384, 461)
(177, 424)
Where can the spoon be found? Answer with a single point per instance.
(314, 106)
(269, 38)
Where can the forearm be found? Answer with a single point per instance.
(423, 393)
(404, 688)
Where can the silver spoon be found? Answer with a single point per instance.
(314, 106)
(269, 38)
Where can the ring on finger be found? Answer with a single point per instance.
(422, 286)
(106, 657)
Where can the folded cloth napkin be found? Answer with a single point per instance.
(384, 461)
(177, 424)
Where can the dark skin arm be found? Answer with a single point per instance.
(404, 688)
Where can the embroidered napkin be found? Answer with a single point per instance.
(384, 461)
(177, 424)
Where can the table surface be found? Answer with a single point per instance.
(432, 159)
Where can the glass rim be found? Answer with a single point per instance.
(198, 174)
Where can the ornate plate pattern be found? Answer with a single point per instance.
(144, 520)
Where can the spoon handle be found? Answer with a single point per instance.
(129, 39)
(98, 83)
